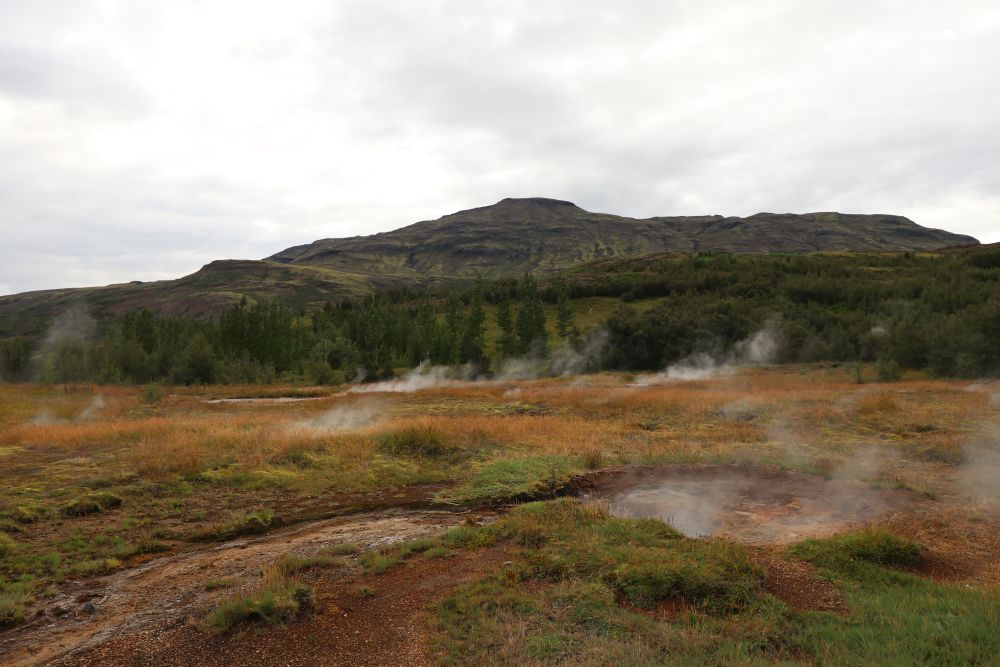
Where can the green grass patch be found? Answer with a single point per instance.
(8, 546)
(292, 564)
(645, 560)
(96, 566)
(253, 523)
(90, 504)
(581, 578)
(276, 600)
(895, 618)
(24, 513)
(855, 553)
(419, 545)
(15, 595)
(220, 583)
(438, 552)
(516, 479)
(374, 562)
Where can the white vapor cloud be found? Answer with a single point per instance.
(141, 140)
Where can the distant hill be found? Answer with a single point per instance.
(514, 236)
(510, 237)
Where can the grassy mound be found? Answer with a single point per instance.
(515, 479)
(90, 504)
(850, 553)
(644, 560)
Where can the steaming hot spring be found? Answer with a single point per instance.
(751, 504)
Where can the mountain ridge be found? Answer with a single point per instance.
(544, 234)
(509, 238)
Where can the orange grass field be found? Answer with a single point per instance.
(178, 467)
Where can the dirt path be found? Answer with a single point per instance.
(168, 592)
(389, 627)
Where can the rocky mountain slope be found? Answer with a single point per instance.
(519, 235)
(511, 237)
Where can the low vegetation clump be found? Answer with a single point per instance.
(292, 564)
(253, 523)
(96, 566)
(90, 504)
(277, 599)
(7, 546)
(851, 552)
(24, 514)
(152, 394)
(515, 479)
(15, 595)
(374, 562)
(220, 583)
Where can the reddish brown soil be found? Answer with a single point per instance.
(795, 583)
(142, 602)
(961, 540)
(389, 628)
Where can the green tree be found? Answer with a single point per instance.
(530, 326)
(507, 341)
(474, 335)
(565, 318)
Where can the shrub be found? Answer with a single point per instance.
(152, 393)
(277, 599)
(888, 371)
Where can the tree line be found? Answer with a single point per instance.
(935, 312)
(265, 341)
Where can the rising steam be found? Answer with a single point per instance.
(760, 349)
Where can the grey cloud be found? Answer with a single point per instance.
(376, 114)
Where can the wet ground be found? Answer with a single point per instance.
(170, 591)
(751, 504)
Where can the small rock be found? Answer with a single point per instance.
(89, 608)
(508, 563)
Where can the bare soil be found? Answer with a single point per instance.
(167, 592)
(389, 627)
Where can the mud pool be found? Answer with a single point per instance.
(751, 504)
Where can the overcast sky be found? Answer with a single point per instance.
(141, 140)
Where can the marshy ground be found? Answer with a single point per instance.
(814, 521)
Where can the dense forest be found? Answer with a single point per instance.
(901, 311)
